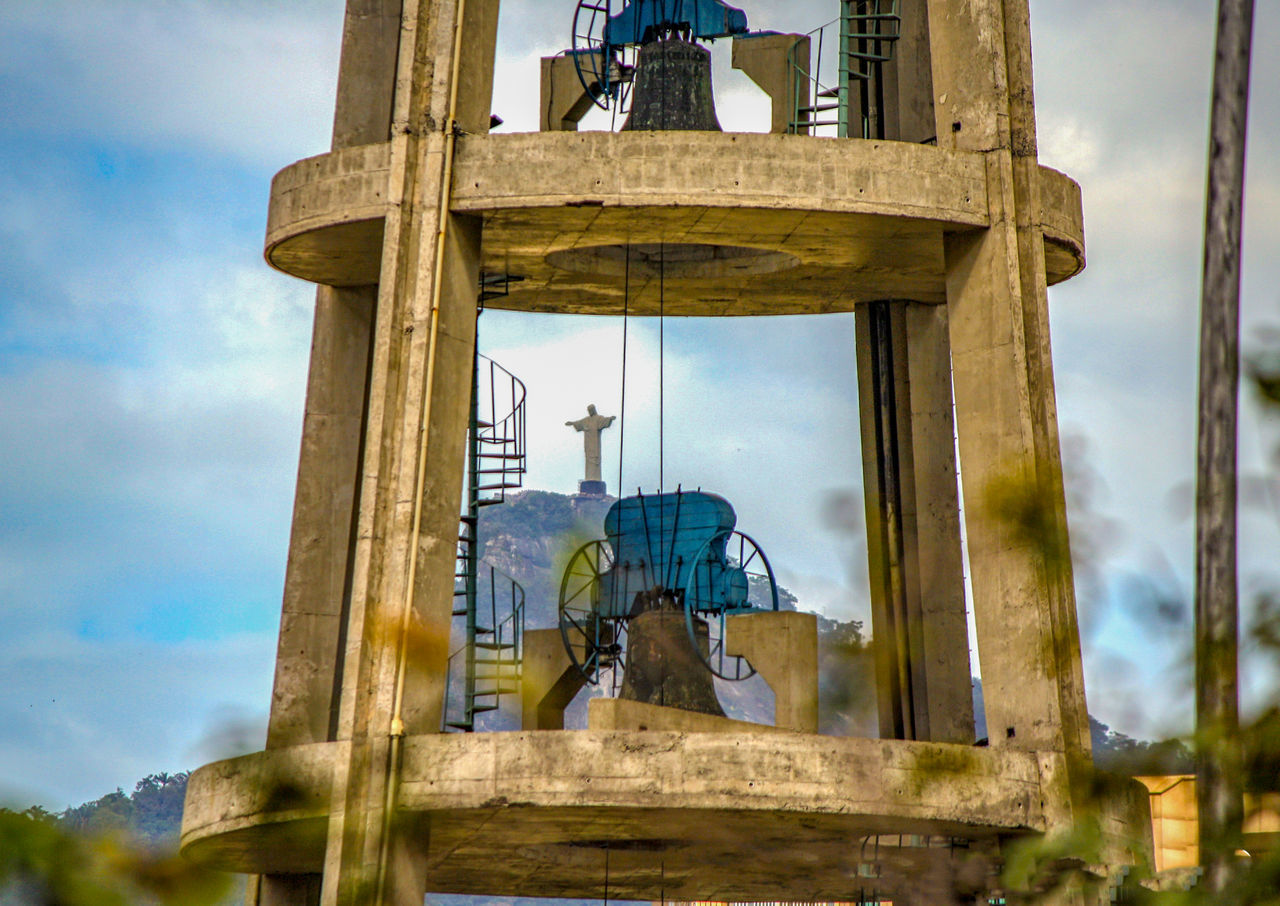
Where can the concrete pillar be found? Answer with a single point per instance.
(328, 468)
(917, 584)
(916, 571)
(939, 562)
(401, 600)
(1006, 415)
(367, 72)
(1005, 406)
(317, 592)
(908, 108)
(312, 622)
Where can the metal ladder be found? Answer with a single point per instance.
(868, 31)
(488, 605)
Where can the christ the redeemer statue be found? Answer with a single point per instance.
(591, 428)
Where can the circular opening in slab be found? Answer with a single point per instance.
(675, 260)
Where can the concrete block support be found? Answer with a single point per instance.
(564, 100)
(783, 648)
(779, 64)
(549, 680)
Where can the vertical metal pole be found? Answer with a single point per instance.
(843, 63)
(472, 560)
(1218, 757)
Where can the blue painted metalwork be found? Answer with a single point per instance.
(682, 545)
(655, 541)
(642, 20)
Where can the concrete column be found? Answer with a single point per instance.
(922, 647)
(396, 648)
(316, 595)
(908, 113)
(1005, 405)
(328, 468)
(317, 592)
(367, 72)
(913, 526)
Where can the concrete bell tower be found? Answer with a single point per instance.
(942, 236)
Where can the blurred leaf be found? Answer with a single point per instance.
(1263, 372)
(1028, 506)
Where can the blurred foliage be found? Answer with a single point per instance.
(1027, 507)
(1027, 504)
(1262, 370)
(1121, 754)
(120, 849)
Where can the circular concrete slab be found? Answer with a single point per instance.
(853, 220)
(685, 815)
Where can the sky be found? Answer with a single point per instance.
(153, 367)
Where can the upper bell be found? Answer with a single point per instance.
(672, 89)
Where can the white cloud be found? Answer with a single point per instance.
(250, 80)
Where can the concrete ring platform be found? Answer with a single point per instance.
(855, 220)
(536, 813)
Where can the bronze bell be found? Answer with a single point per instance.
(672, 89)
(662, 666)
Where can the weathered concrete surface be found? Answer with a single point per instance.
(325, 220)
(624, 714)
(783, 648)
(865, 219)
(262, 813)
(704, 805)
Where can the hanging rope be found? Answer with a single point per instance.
(662, 321)
(662, 352)
(622, 417)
